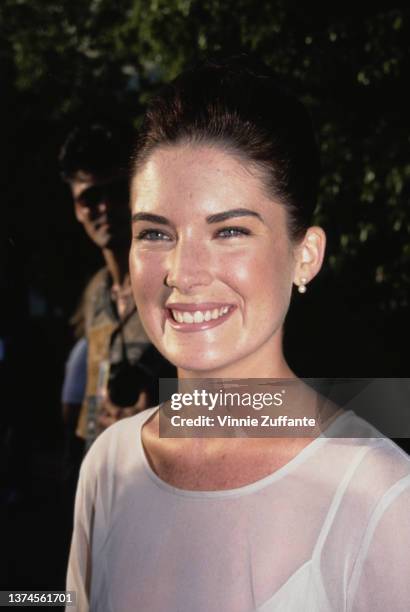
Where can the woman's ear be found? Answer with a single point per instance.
(309, 257)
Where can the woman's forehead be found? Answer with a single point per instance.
(198, 177)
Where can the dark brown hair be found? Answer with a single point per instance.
(97, 149)
(238, 105)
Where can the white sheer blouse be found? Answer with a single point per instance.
(329, 531)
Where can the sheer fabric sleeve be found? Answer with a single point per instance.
(79, 564)
(75, 374)
(380, 579)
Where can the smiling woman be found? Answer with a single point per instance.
(224, 184)
(232, 262)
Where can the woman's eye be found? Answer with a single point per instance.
(233, 232)
(153, 235)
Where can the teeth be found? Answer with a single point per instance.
(199, 316)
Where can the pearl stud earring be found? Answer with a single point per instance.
(302, 285)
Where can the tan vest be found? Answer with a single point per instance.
(108, 338)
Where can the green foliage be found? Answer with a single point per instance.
(68, 59)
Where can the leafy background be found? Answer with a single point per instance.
(67, 61)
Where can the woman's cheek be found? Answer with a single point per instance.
(264, 275)
(249, 271)
(146, 277)
(241, 264)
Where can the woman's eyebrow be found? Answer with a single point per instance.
(150, 217)
(236, 212)
(216, 218)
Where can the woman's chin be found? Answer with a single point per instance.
(197, 369)
(197, 366)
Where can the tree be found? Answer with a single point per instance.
(69, 60)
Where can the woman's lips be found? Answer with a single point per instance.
(197, 317)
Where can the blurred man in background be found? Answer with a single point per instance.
(122, 366)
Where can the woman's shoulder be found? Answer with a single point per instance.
(384, 467)
(118, 444)
(367, 434)
(375, 464)
(367, 529)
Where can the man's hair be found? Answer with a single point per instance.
(96, 149)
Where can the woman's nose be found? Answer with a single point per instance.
(188, 267)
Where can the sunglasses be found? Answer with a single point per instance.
(113, 192)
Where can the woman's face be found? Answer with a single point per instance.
(211, 261)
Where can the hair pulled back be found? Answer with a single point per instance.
(238, 105)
